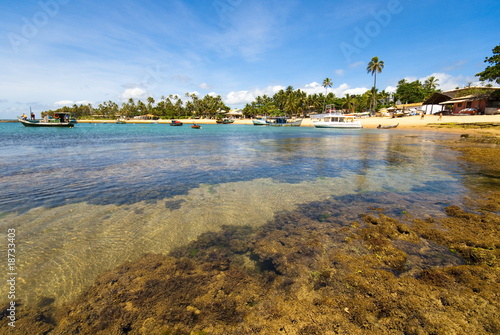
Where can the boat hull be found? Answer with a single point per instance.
(387, 127)
(30, 123)
(283, 122)
(335, 120)
(342, 125)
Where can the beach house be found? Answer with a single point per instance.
(469, 100)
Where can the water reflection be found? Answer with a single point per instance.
(83, 209)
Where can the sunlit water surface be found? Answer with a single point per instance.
(86, 199)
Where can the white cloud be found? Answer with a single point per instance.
(64, 103)
(243, 97)
(239, 98)
(71, 102)
(204, 86)
(339, 91)
(339, 72)
(314, 84)
(134, 93)
(446, 82)
(391, 89)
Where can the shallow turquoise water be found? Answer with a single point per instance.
(86, 199)
(123, 164)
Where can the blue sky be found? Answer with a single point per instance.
(60, 52)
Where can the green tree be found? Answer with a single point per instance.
(410, 92)
(492, 72)
(431, 83)
(430, 86)
(375, 66)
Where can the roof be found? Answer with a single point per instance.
(416, 104)
(439, 97)
(443, 98)
(235, 112)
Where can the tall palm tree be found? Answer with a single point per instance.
(431, 83)
(327, 83)
(374, 66)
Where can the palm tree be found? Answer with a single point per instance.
(431, 83)
(374, 66)
(327, 83)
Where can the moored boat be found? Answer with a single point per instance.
(262, 121)
(224, 121)
(196, 126)
(284, 121)
(60, 119)
(176, 123)
(387, 127)
(335, 120)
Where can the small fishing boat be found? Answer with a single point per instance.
(283, 121)
(225, 121)
(196, 126)
(387, 127)
(335, 120)
(121, 121)
(60, 119)
(176, 123)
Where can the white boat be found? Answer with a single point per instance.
(262, 121)
(335, 120)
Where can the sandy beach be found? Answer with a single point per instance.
(371, 122)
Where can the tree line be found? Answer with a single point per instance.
(170, 107)
(292, 102)
(286, 102)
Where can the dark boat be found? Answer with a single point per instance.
(388, 127)
(285, 122)
(224, 121)
(176, 123)
(60, 119)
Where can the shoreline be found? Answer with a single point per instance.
(448, 123)
(371, 122)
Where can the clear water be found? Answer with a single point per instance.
(88, 198)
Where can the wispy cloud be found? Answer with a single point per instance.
(252, 28)
(456, 65)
